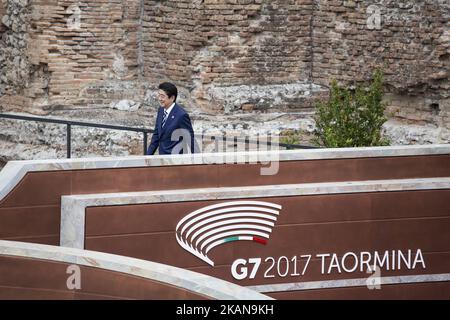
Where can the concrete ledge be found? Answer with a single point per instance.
(349, 283)
(14, 171)
(73, 207)
(189, 280)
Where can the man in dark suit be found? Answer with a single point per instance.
(173, 128)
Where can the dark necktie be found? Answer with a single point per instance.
(164, 118)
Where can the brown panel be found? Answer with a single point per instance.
(46, 239)
(8, 293)
(362, 206)
(338, 170)
(426, 203)
(29, 221)
(412, 291)
(29, 273)
(427, 235)
(97, 281)
(303, 221)
(159, 247)
(158, 217)
(46, 187)
(39, 188)
(163, 217)
(143, 179)
(24, 278)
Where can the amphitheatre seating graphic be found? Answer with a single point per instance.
(222, 223)
(329, 223)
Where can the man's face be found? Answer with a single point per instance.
(164, 100)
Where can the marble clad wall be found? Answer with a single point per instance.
(32, 271)
(30, 191)
(316, 218)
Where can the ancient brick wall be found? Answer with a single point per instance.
(225, 55)
(410, 41)
(79, 53)
(216, 46)
(227, 42)
(91, 46)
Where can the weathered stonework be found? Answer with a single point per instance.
(62, 48)
(62, 53)
(228, 57)
(2, 13)
(411, 43)
(14, 62)
(71, 46)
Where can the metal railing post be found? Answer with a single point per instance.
(145, 142)
(69, 125)
(69, 138)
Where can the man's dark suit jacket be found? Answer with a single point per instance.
(162, 137)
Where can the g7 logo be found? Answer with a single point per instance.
(273, 267)
(243, 271)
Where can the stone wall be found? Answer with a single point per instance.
(14, 62)
(2, 13)
(411, 42)
(76, 52)
(227, 50)
(226, 56)
(2, 30)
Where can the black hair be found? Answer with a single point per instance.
(170, 89)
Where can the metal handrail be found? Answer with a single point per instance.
(69, 125)
(145, 131)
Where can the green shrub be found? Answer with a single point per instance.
(290, 137)
(352, 118)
